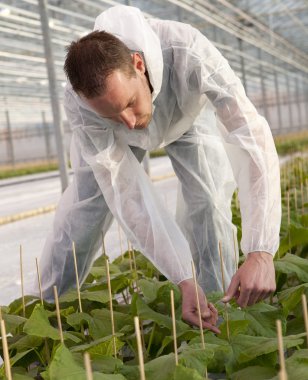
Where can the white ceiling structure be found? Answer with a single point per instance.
(266, 42)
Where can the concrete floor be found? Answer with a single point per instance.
(31, 232)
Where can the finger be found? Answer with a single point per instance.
(254, 297)
(244, 297)
(211, 327)
(214, 311)
(193, 319)
(232, 289)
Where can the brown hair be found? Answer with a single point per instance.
(90, 60)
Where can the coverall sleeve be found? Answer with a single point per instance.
(249, 144)
(130, 195)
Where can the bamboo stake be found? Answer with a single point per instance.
(282, 373)
(58, 314)
(305, 314)
(5, 351)
(129, 256)
(87, 363)
(198, 304)
(39, 280)
(139, 346)
(224, 289)
(111, 310)
(289, 217)
(222, 269)
(307, 188)
(302, 197)
(174, 328)
(120, 240)
(42, 303)
(22, 282)
(199, 310)
(295, 199)
(77, 277)
(103, 246)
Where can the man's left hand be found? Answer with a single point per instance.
(254, 280)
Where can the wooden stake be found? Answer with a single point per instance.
(282, 373)
(199, 309)
(295, 199)
(77, 277)
(224, 289)
(302, 197)
(174, 327)
(87, 364)
(103, 246)
(58, 313)
(139, 346)
(39, 280)
(120, 240)
(198, 304)
(289, 218)
(305, 314)
(129, 256)
(22, 282)
(111, 310)
(5, 351)
(222, 268)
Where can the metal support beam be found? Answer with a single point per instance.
(263, 90)
(9, 140)
(46, 136)
(242, 62)
(278, 105)
(298, 101)
(289, 101)
(55, 104)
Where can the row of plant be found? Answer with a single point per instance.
(246, 348)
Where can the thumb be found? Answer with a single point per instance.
(232, 290)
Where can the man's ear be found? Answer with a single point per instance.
(138, 62)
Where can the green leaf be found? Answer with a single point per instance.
(12, 322)
(149, 288)
(63, 366)
(196, 357)
(18, 356)
(254, 373)
(235, 327)
(182, 373)
(290, 264)
(145, 312)
(161, 368)
(101, 296)
(290, 297)
(246, 347)
(39, 325)
(100, 347)
(299, 236)
(25, 342)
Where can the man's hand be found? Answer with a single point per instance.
(209, 314)
(254, 280)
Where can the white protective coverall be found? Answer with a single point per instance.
(215, 139)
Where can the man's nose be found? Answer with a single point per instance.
(128, 118)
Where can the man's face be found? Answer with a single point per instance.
(126, 100)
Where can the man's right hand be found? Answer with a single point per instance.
(209, 314)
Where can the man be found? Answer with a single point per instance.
(135, 85)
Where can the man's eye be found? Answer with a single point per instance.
(130, 104)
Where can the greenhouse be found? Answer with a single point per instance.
(154, 189)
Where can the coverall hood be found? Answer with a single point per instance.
(127, 28)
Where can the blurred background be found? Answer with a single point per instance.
(265, 41)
